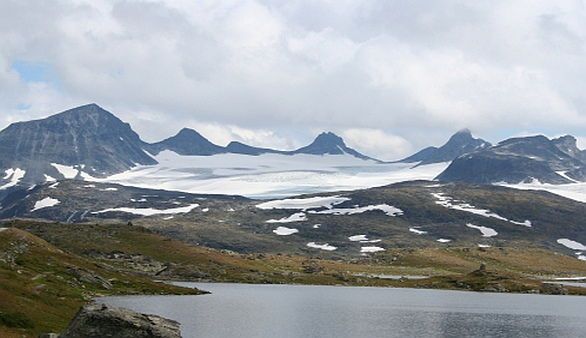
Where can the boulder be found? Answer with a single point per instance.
(100, 321)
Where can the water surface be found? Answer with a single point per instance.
(241, 310)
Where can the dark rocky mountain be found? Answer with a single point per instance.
(236, 147)
(328, 143)
(568, 144)
(86, 137)
(187, 142)
(459, 144)
(89, 140)
(520, 159)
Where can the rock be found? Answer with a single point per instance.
(49, 335)
(100, 320)
(553, 289)
(86, 276)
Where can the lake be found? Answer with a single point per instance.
(243, 310)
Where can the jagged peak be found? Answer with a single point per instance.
(329, 137)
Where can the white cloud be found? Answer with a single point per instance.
(244, 68)
(377, 143)
(224, 134)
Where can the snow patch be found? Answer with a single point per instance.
(417, 231)
(389, 210)
(570, 244)
(49, 179)
(14, 176)
(450, 203)
(296, 217)
(46, 202)
(371, 249)
(150, 211)
(316, 226)
(358, 238)
(284, 231)
(443, 240)
(67, 172)
(325, 246)
(486, 231)
(483, 246)
(303, 203)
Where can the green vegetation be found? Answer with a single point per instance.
(42, 287)
(47, 270)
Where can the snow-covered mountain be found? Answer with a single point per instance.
(86, 138)
(459, 144)
(91, 143)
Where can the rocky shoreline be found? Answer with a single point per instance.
(100, 320)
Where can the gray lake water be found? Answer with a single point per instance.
(242, 310)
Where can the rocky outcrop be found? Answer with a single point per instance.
(459, 144)
(521, 159)
(100, 320)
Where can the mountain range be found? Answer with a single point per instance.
(88, 141)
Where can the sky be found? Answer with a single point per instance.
(388, 76)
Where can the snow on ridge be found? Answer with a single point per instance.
(324, 246)
(68, 172)
(296, 217)
(358, 238)
(284, 231)
(14, 175)
(362, 239)
(570, 244)
(417, 231)
(46, 202)
(486, 231)
(49, 179)
(371, 249)
(150, 211)
(389, 210)
(303, 203)
(450, 203)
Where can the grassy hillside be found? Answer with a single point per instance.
(42, 287)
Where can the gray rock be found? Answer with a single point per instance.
(101, 321)
(86, 137)
(459, 144)
(520, 159)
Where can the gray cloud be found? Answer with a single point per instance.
(406, 73)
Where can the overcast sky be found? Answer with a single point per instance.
(389, 76)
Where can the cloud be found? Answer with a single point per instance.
(419, 70)
(224, 134)
(375, 142)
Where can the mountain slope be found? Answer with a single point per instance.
(459, 144)
(328, 143)
(236, 147)
(86, 138)
(42, 286)
(517, 160)
(187, 142)
(412, 214)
